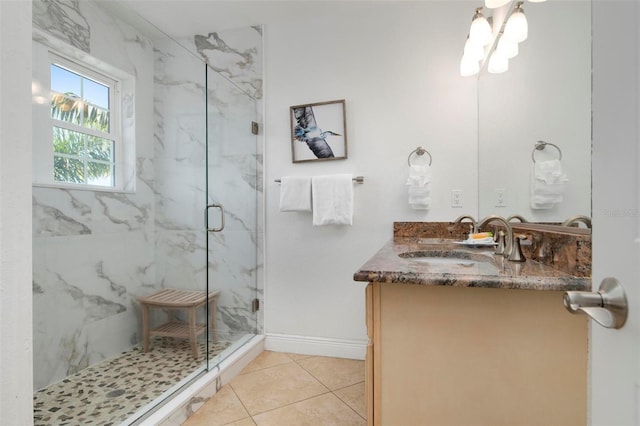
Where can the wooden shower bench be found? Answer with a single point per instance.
(172, 300)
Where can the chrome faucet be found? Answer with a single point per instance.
(578, 218)
(517, 216)
(509, 242)
(466, 216)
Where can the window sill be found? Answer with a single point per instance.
(93, 188)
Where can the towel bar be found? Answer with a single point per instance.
(357, 179)
(540, 145)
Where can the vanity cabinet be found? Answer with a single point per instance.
(454, 355)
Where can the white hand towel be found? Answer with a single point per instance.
(332, 197)
(549, 171)
(419, 175)
(419, 183)
(548, 183)
(295, 194)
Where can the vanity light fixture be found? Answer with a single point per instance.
(482, 45)
(507, 48)
(470, 62)
(473, 51)
(480, 31)
(497, 63)
(469, 66)
(516, 28)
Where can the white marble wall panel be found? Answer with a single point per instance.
(95, 252)
(64, 20)
(81, 280)
(235, 54)
(233, 182)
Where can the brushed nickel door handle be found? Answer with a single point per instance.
(206, 217)
(608, 306)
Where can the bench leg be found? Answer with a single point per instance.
(192, 332)
(145, 327)
(213, 314)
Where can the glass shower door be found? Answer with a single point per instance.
(231, 214)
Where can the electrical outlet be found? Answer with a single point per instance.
(501, 197)
(456, 198)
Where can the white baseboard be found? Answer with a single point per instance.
(338, 348)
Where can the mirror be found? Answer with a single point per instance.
(544, 96)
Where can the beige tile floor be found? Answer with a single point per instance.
(281, 389)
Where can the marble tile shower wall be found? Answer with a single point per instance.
(94, 252)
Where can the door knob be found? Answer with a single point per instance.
(608, 306)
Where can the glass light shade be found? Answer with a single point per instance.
(516, 28)
(473, 50)
(480, 31)
(492, 4)
(507, 48)
(469, 66)
(497, 64)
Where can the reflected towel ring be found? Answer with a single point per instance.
(540, 145)
(420, 151)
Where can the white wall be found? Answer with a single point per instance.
(397, 66)
(15, 214)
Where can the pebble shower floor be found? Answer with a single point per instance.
(111, 391)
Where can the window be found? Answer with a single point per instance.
(80, 139)
(84, 131)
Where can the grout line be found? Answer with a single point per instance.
(241, 402)
(328, 390)
(347, 404)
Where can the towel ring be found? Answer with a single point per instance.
(420, 151)
(540, 145)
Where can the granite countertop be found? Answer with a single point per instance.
(396, 262)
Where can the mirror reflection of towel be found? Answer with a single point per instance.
(548, 183)
(295, 194)
(332, 197)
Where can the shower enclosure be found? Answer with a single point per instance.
(96, 252)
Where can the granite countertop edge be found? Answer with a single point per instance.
(386, 266)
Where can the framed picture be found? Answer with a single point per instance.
(318, 131)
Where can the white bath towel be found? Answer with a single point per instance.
(548, 183)
(332, 197)
(295, 194)
(419, 183)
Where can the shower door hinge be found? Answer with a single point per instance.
(254, 128)
(255, 305)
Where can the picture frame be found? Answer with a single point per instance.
(318, 131)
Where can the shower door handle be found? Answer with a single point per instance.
(206, 218)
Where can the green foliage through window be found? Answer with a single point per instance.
(78, 156)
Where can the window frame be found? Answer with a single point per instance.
(46, 47)
(115, 130)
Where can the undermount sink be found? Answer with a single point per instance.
(453, 259)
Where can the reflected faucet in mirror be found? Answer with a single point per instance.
(576, 219)
(474, 222)
(517, 216)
